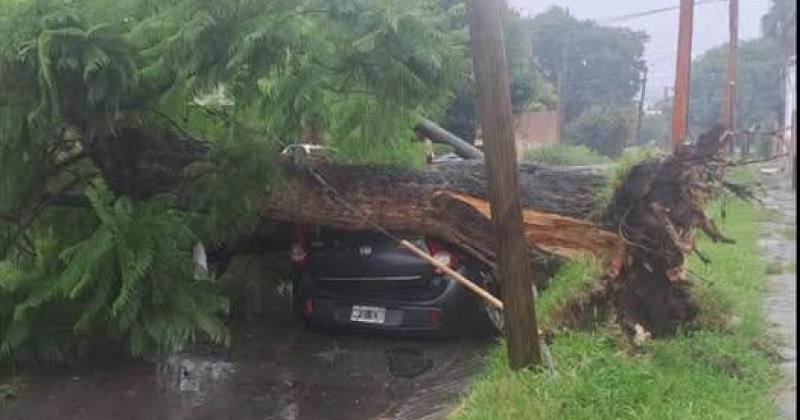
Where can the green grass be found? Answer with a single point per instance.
(773, 267)
(789, 233)
(572, 279)
(10, 389)
(777, 267)
(560, 154)
(719, 372)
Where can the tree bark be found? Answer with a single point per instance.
(448, 200)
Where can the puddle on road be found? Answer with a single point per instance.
(194, 377)
(407, 362)
(277, 371)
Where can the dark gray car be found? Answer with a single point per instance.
(365, 280)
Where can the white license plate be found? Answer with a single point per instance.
(368, 314)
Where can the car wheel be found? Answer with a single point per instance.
(296, 305)
(494, 316)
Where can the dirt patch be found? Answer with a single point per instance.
(584, 311)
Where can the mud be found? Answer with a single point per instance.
(779, 247)
(277, 370)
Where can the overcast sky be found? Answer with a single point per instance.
(710, 27)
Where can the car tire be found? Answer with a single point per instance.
(297, 309)
(494, 318)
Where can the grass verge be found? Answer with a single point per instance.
(560, 154)
(720, 371)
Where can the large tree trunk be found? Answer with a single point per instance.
(448, 201)
(640, 235)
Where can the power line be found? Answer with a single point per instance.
(620, 18)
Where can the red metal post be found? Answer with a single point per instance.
(680, 103)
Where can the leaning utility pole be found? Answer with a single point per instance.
(641, 109)
(728, 113)
(494, 110)
(680, 102)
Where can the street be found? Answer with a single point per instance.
(276, 370)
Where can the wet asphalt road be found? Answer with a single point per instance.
(276, 370)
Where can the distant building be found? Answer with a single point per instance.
(531, 130)
(790, 133)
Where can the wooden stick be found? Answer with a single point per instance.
(497, 303)
(454, 275)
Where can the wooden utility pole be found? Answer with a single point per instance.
(728, 113)
(793, 150)
(780, 125)
(494, 110)
(680, 102)
(641, 109)
(561, 83)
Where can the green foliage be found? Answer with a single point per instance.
(735, 275)
(252, 281)
(130, 278)
(789, 233)
(709, 374)
(758, 89)
(246, 78)
(560, 154)
(10, 390)
(604, 129)
(655, 130)
(780, 25)
(530, 91)
(228, 202)
(602, 64)
(461, 117)
(571, 280)
(82, 71)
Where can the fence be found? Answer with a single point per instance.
(531, 130)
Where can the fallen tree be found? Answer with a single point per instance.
(447, 200)
(641, 235)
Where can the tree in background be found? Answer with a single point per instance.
(779, 24)
(601, 65)
(529, 89)
(655, 129)
(604, 129)
(757, 92)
